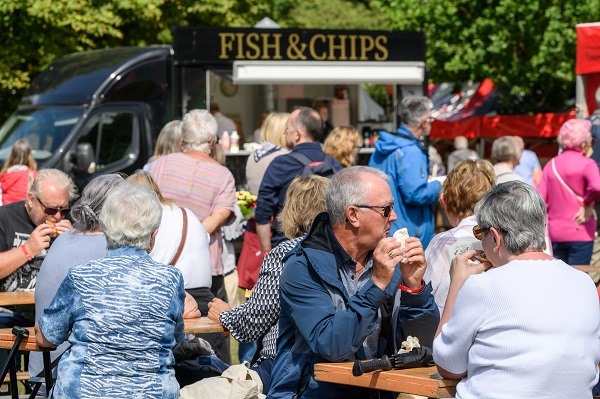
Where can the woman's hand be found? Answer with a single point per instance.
(461, 269)
(584, 214)
(215, 308)
(190, 308)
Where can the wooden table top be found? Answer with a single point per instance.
(192, 326)
(587, 268)
(418, 381)
(17, 298)
(202, 325)
(7, 339)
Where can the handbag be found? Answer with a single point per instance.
(183, 238)
(569, 189)
(237, 382)
(251, 257)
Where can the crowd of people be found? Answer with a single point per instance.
(118, 269)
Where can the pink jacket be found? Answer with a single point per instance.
(582, 175)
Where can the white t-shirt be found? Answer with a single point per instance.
(194, 261)
(440, 252)
(528, 329)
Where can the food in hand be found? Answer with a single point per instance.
(401, 235)
(52, 224)
(481, 257)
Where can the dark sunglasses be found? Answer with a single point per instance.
(52, 211)
(387, 209)
(478, 231)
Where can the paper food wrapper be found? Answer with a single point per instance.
(401, 235)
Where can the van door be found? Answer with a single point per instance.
(114, 138)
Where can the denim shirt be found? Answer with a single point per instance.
(124, 315)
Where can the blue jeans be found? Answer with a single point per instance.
(574, 253)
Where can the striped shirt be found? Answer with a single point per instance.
(260, 315)
(202, 187)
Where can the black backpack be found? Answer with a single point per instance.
(323, 168)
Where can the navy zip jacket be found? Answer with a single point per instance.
(319, 322)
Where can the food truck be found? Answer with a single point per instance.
(100, 111)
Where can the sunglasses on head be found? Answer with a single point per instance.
(48, 210)
(387, 209)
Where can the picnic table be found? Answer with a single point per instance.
(423, 381)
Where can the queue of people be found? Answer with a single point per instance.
(144, 252)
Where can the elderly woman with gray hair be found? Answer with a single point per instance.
(511, 332)
(83, 243)
(196, 181)
(122, 314)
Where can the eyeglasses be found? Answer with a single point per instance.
(387, 209)
(52, 211)
(478, 231)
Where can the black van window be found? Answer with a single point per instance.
(148, 83)
(111, 135)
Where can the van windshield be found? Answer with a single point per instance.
(45, 129)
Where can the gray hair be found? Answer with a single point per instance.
(346, 188)
(130, 214)
(60, 178)
(85, 213)
(505, 149)
(461, 142)
(310, 121)
(197, 129)
(413, 109)
(518, 211)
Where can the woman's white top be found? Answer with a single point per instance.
(440, 252)
(194, 261)
(528, 329)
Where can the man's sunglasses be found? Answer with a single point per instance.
(478, 231)
(48, 210)
(387, 209)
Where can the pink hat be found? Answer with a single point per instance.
(574, 132)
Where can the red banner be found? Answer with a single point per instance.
(540, 125)
(588, 48)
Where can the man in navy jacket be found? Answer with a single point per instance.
(348, 291)
(303, 130)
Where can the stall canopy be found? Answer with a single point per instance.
(467, 112)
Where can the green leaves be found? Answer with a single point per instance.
(526, 47)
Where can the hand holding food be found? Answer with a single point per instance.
(52, 223)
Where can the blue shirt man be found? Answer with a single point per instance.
(403, 157)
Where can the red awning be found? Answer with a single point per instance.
(540, 125)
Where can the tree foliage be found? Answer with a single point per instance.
(527, 48)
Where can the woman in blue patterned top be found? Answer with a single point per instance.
(123, 312)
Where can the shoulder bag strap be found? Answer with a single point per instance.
(565, 185)
(183, 237)
(303, 159)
